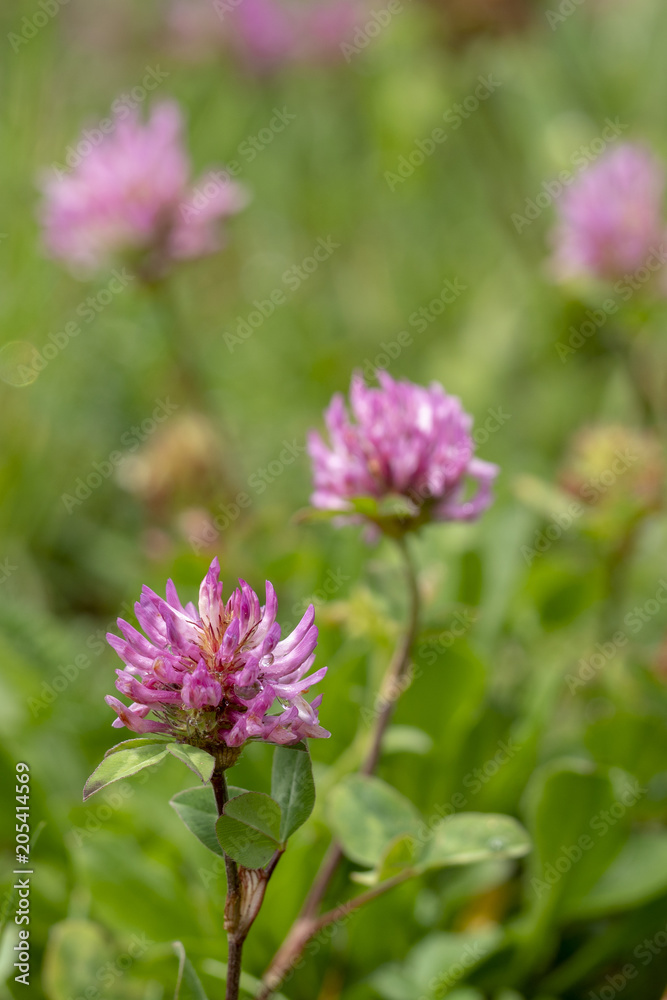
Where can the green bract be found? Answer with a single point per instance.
(131, 756)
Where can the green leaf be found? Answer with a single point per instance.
(396, 505)
(392, 513)
(566, 805)
(638, 875)
(541, 496)
(366, 815)
(406, 739)
(140, 741)
(467, 838)
(462, 839)
(196, 807)
(233, 791)
(435, 966)
(121, 765)
(188, 986)
(249, 829)
(292, 787)
(467, 993)
(199, 761)
(76, 951)
(636, 743)
(312, 515)
(399, 855)
(391, 508)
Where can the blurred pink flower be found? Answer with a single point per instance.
(210, 676)
(266, 34)
(407, 440)
(330, 25)
(611, 219)
(130, 196)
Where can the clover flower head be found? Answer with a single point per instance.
(212, 676)
(266, 35)
(611, 218)
(406, 440)
(618, 472)
(128, 197)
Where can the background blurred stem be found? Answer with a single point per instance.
(616, 567)
(638, 376)
(166, 310)
(307, 924)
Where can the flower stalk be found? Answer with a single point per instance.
(308, 923)
(395, 679)
(210, 676)
(235, 937)
(185, 366)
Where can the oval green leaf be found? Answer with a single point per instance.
(77, 949)
(123, 764)
(249, 829)
(467, 838)
(196, 807)
(565, 804)
(637, 876)
(199, 761)
(140, 741)
(366, 815)
(292, 787)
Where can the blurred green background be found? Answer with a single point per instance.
(122, 866)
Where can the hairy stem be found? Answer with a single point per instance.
(639, 375)
(396, 676)
(234, 953)
(308, 924)
(340, 912)
(166, 310)
(305, 928)
(617, 565)
(233, 904)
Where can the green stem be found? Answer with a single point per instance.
(396, 676)
(638, 376)
(181, 353)
(616, 566)
(304, 929)
(234, 967)
(307, 924)
(233, 904)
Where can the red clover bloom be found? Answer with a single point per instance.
(407, 440)
(267, 35)
(611, 219)
(210, 677)
(130, 197)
